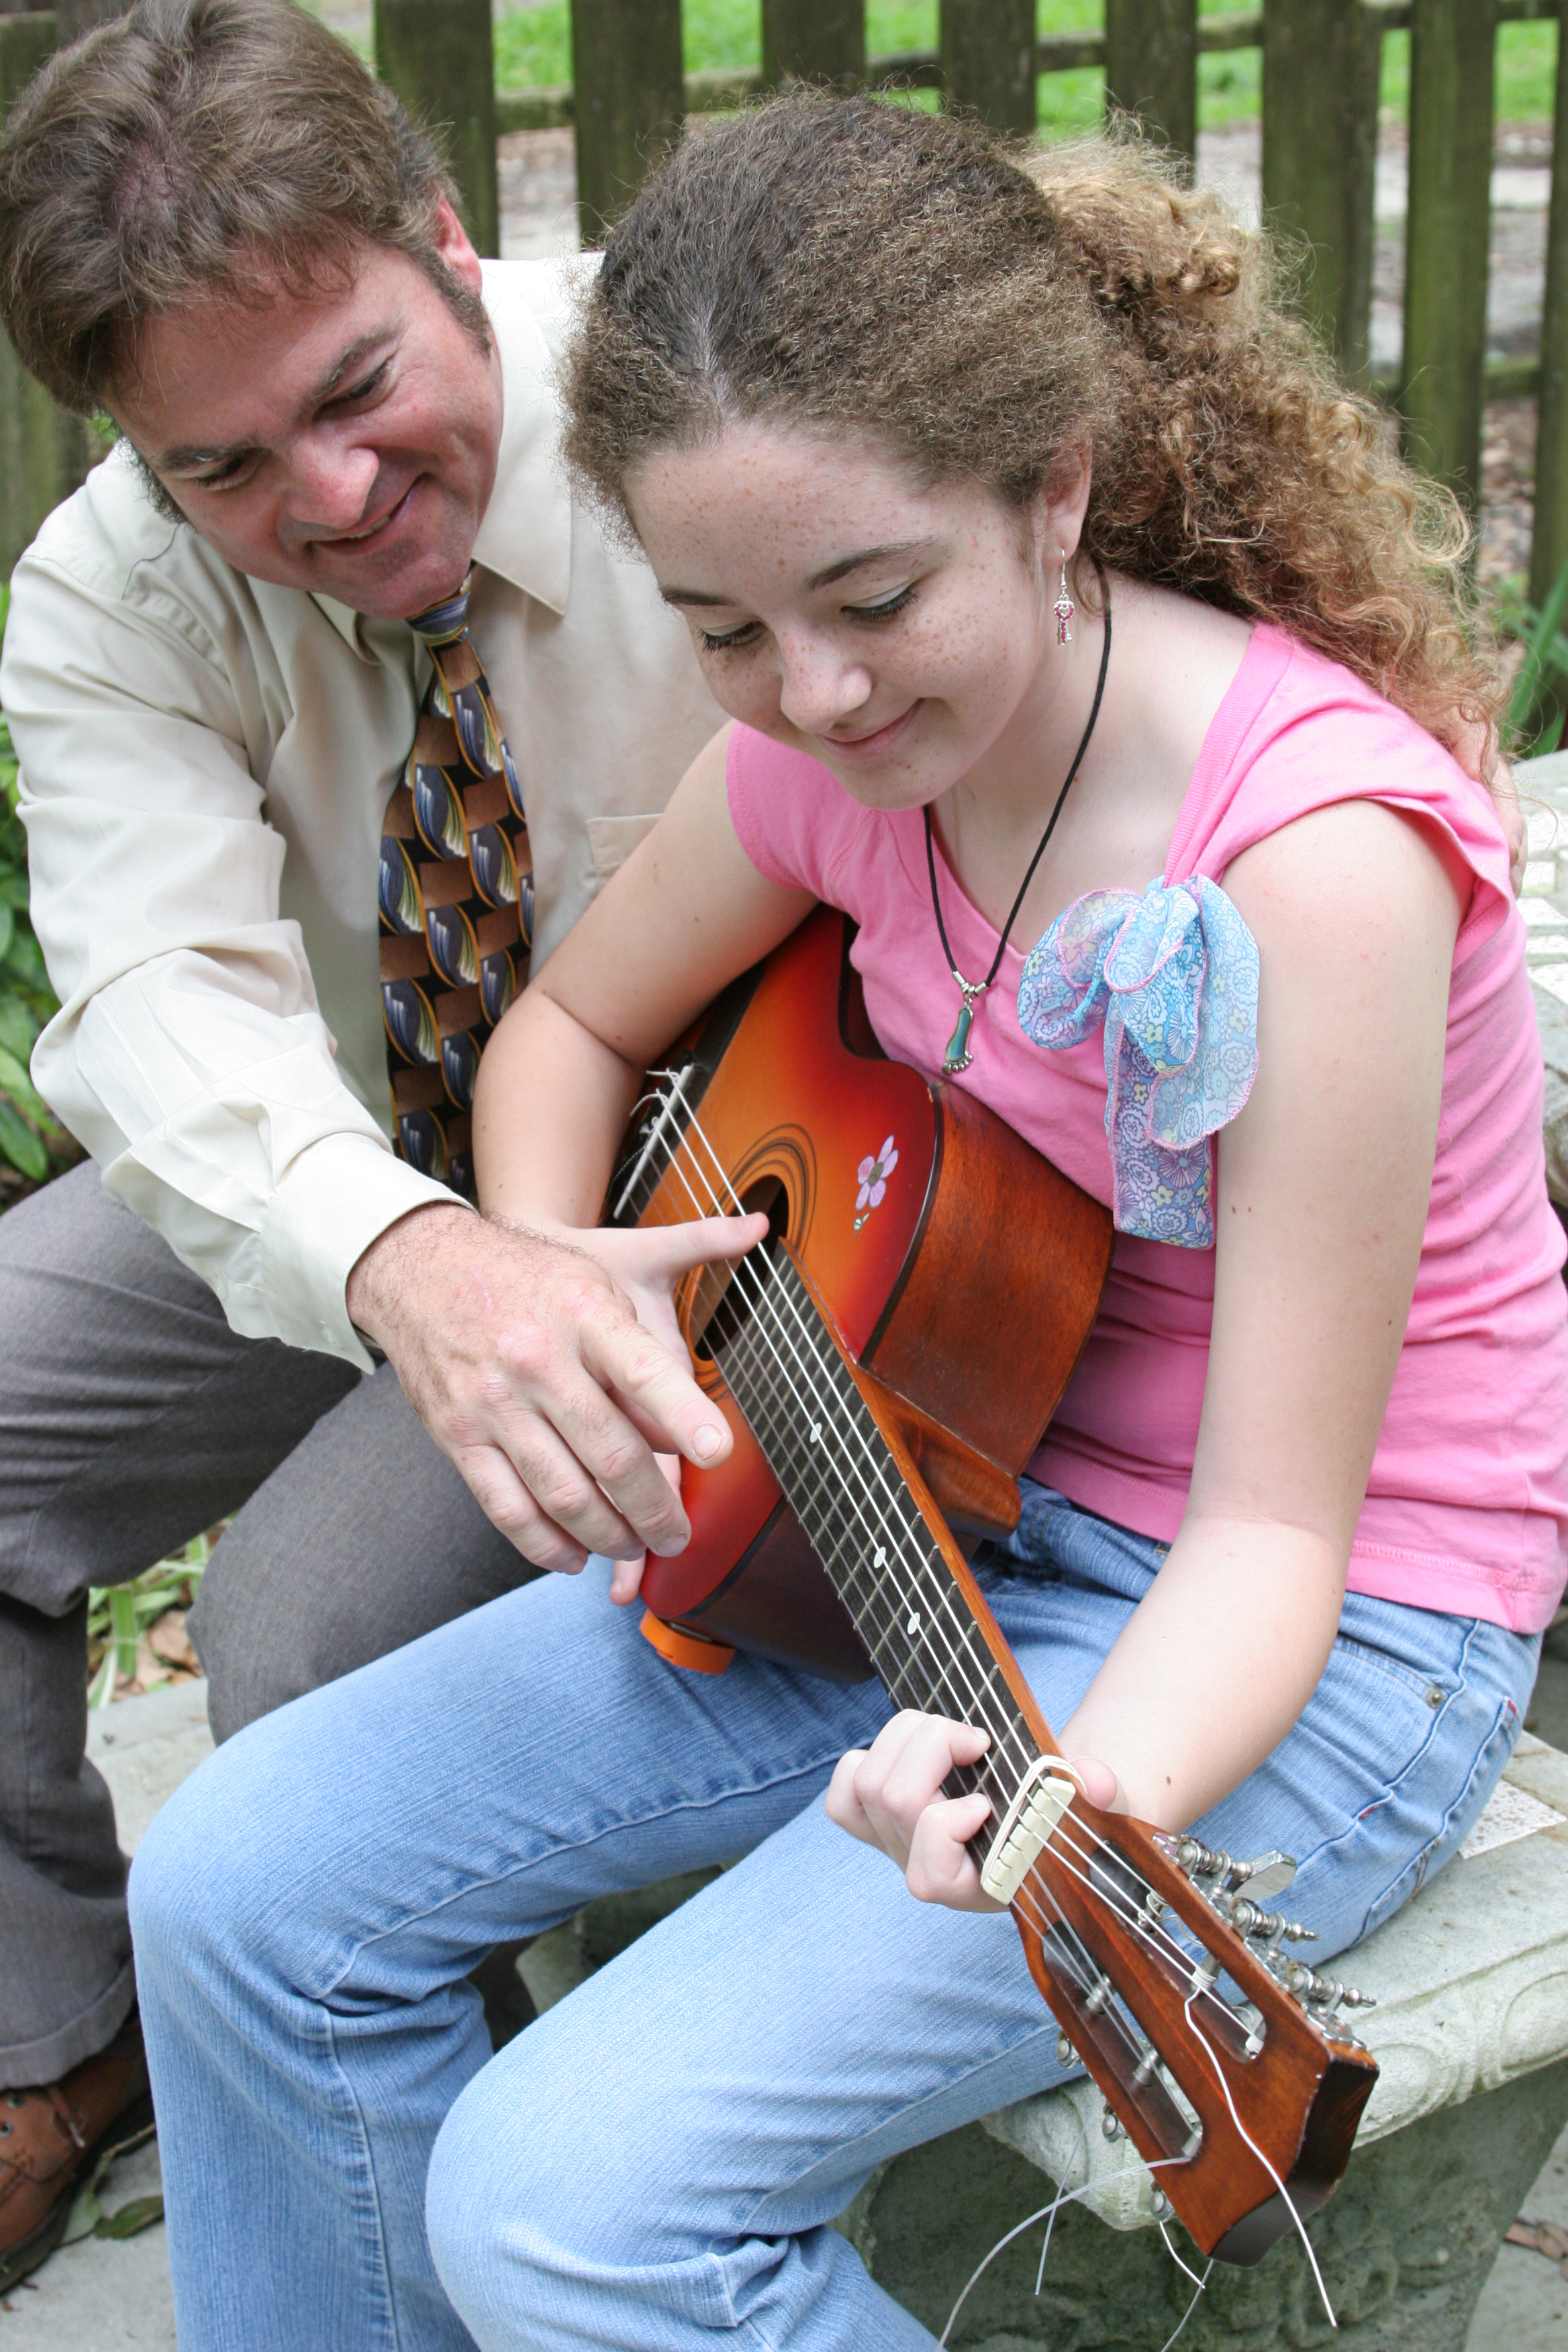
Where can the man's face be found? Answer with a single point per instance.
(344, 443)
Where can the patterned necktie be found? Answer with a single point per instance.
(457, 901)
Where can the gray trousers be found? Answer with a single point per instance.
(130, 1419)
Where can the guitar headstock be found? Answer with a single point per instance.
(1174, 1974)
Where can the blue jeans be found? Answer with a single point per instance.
(652, 2165)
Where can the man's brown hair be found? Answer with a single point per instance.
(195, 148)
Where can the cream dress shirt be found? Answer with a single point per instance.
(205, 759)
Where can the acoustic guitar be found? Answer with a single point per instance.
(887, 1360)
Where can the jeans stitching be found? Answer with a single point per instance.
(577, 1845)
(912, 2107)
(367, 2192)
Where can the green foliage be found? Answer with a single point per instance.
(534, 46)
(1532, 723)
(119, 1614)
(29, 1138)
(1526, 73)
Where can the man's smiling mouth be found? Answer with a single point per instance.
(369, 531)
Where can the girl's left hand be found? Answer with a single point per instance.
(890, 1795)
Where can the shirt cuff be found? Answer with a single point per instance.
(336, 1199)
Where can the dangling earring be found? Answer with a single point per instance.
(1064, 608)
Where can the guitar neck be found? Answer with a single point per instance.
(837, 1469)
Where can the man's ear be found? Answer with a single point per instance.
(453, 246)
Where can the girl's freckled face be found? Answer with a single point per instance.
(892, 630)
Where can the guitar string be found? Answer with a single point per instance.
(1131, 1917)
(1192, 2307)
(1063, 2197)
(943, 1597)
(900, 1533)
(1051, 2222)
(935, 1683)
(1134, 1920)
(1263, 2160)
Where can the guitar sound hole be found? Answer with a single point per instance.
(721, 1306)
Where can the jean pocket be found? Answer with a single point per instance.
(1431, 1688)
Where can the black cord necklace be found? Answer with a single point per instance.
(958, 1055)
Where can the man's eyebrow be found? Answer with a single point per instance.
(189, 454)
(823, 578)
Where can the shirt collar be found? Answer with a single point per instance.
(525, 534)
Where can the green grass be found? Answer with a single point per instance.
(534, 46)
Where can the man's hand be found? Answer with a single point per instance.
(525, 1359)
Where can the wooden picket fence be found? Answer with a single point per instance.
(1321, 67)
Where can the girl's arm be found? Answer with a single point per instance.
(1322, 1191)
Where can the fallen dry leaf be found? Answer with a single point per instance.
(1542, 2238)
(168, 1639)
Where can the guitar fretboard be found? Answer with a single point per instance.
(839, 1476)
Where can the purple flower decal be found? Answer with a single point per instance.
(873, 1174)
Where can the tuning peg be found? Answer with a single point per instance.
(1066, 2054)
(1265, 1874)
(1206, 1974)
(1111, 2125)
(1323, 1994)
(1145, 2066)
(1270, 1927)
(1199, 1861)
(1158, 2205)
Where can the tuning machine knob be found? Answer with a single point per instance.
(1320, 1995)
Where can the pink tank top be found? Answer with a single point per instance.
(1467, 1505)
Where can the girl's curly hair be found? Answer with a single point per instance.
(848, 266)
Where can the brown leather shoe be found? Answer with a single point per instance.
(50, 2136)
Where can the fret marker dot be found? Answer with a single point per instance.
(881, 1559)
(914, 1625)
(817, 1433)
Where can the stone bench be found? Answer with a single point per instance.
(1471, 2034)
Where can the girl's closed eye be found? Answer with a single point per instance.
(726, 641)
(885, 609)
(720, 641)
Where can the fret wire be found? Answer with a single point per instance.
(850, 1537)
(944, 1602)
(671, 1144)
(1002, 1733)
(844, 1395)
(933, 1682)
(1005, 1736)
(847, 1395)
(930, 1565)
